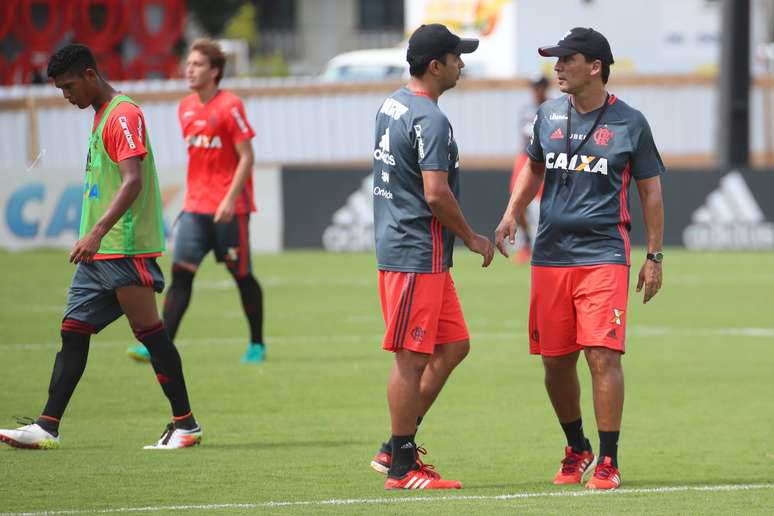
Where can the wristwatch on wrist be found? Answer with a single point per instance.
(656, 256)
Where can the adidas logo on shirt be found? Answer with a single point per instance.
(382, 152)
(730, 218)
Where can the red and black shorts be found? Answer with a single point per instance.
(196, 234)
(92, 299)
(576, 307)
(421, 311)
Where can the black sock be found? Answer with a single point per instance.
(252, 303)
(186, 422)
(387, 446)
(169, 369)
(177, 299)
(49, 424)
(68, 368)
(608, 446)
(404, 455)
(575, 438)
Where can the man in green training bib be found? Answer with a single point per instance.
(121, 235)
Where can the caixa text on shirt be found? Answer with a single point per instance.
(578, 163)
(203, 141)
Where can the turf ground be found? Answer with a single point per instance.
(295, 435)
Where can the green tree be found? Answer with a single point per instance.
(213, 16)
(243, 25)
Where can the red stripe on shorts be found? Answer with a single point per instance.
(404, 308)
(74, 326)
(145, 278)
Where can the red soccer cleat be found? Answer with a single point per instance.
(421, 479)
(383, 460)
(574, 466)
(606, 476)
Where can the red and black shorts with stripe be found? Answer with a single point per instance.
(196, 234)
(421, 311)
(91, 299)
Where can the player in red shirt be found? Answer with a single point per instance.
(219, 195)
(527, 217)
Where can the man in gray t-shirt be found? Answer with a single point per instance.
(586, 149)
(416, 217)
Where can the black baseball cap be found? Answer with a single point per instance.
(538, 79)
(433, 41)
(583, 40)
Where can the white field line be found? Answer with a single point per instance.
(515, 335)
(402, 500)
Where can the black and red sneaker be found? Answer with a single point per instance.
(383, 460)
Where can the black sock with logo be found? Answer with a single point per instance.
(404, 455)
(387, 446)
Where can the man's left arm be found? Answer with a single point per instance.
(227, 206)
(131, 185)
(653, 213)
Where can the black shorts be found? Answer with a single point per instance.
(92, 295)
(196, 234)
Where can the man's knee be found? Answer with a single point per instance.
(408, 361)
(455, 351)
(560, 363)
(603, 360)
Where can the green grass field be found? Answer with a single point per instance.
(296, 434)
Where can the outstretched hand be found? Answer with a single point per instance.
(483, 246)
(506, 228)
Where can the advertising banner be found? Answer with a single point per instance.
(333, 209)
(42, 207)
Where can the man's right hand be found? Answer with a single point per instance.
(506, 228)
(483, 246)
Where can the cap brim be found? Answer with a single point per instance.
(466, 46)
(556, 51)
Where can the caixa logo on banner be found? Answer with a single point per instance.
(38, 214)
(730, 218)
(47, 212)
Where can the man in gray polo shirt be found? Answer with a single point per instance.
(586, 148)
(416, 217)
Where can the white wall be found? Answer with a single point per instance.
(331, 127)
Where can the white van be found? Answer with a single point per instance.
(379, 64)
(384, 64)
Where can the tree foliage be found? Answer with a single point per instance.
(213, 16)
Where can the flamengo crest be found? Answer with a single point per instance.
(602, 136)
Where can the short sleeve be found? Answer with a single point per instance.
(236, 122)
(181, 108)
(124, 133)
(646, 161)
(534, 150)
(432, 133)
